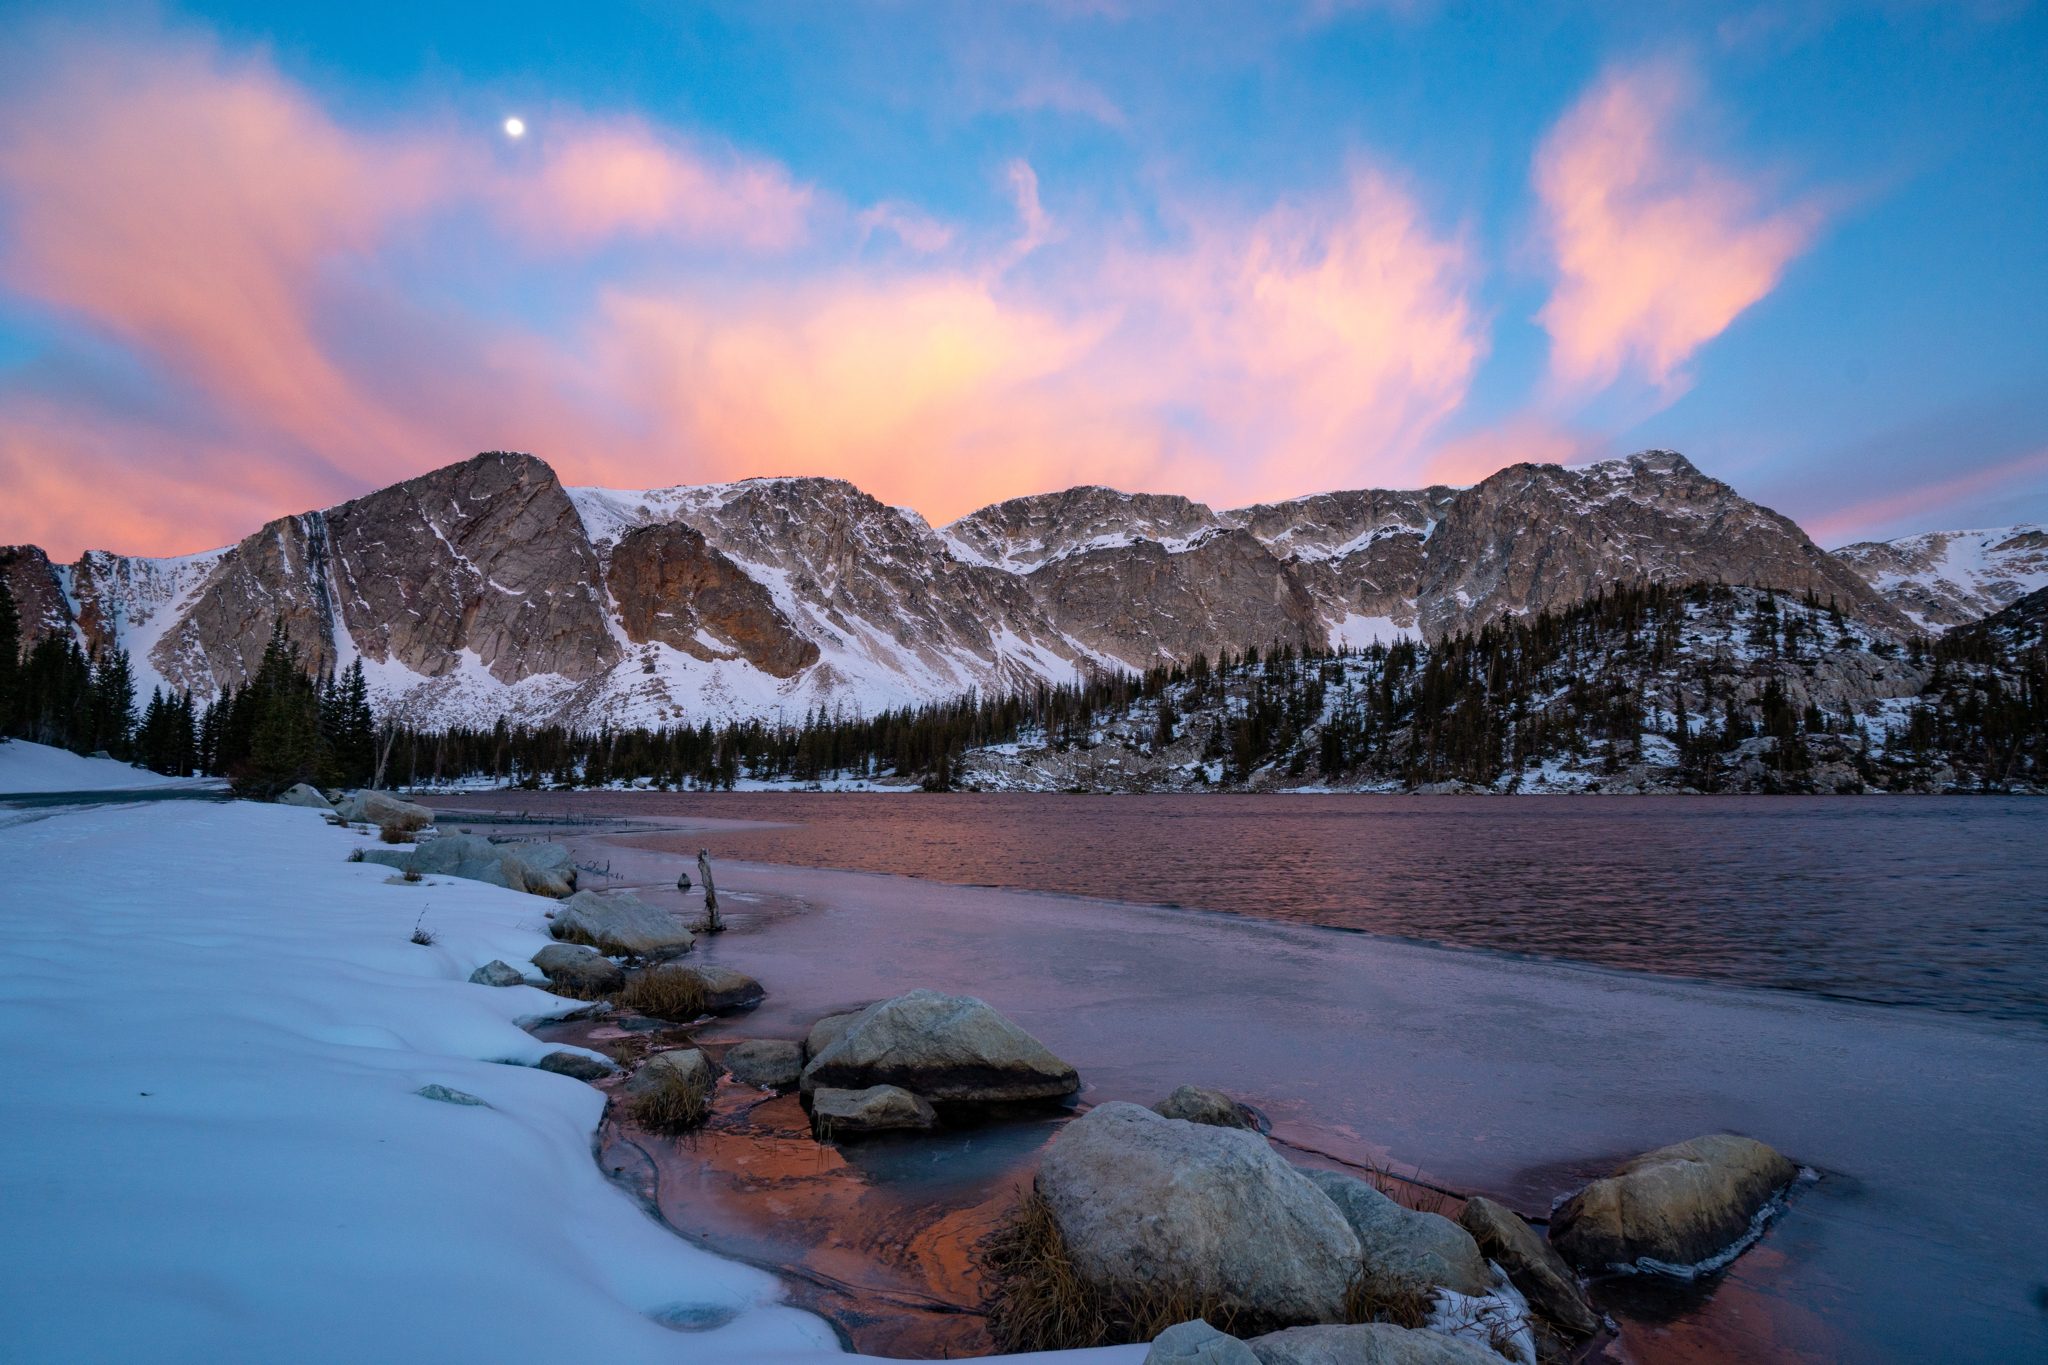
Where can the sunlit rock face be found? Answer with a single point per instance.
(487, 557)
(486, 588)
(1947, 578)
(669, 585)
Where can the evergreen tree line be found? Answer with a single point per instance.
(281, 727)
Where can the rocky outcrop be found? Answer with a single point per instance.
(483, 558)
(620, 924)
(537, 868)
(948, 1048)
(1406, 1251)
(385, 810)
(497, 972)
(1531, 1264)
(1199, 1104)
(1371, 1343)
(1677, 1206)
(583, 971)
(1950, 578)
(1197, 1343)
(1150, 1208)
(879, 1108)
(1536, 536)
(38, 594)
(671, 587)
(580, 1066)
(299, 794)
(769, 1063)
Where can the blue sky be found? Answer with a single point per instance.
(255, 258)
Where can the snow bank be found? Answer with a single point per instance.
(26, 767)
(213, 1029)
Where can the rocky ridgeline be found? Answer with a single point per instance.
(487, 588)
(1650, 689)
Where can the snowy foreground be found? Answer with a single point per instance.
(215, 1029)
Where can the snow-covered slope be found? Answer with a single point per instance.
(26, 767)
(487, 589)
(1946, 578)
(214, 1033)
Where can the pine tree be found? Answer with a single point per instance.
(10, 664)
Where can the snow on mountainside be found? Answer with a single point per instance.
(1946, 578)
(486, 588)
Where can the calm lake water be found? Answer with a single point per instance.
(1935, 903)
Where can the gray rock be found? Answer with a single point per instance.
(1678, 1205)
(770, 1063)
(944, 1047)
(1372, 1343)
(725, 990)
(299, 794)
(828, 1031)
(497, 972)
(1197, 1343)
(1531, 1263)
(1150, 1206)
(1199, 1104)
(541, 869)
(686, 1066)
(876, 1109)
(580, 969)
(385, 810)
(622, 924)
(579, 1065)
(449, 1095)
(1405, 1249)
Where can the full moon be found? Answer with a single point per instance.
(515, 127)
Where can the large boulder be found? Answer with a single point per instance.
(876, 1109)
(1151, 1208)
(621, 924)
(949, 1048)
(828, 1031)
(769, 1063)
(541, 869)
(672, 1090)
(1677, 1206)
(1406, 1251)
(1195, 1342)
(385, 810)
(1370, 1343)
(299, 794)
(1199, 1104)
(584, 971)
(1531, 1263)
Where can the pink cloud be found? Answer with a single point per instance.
(597, 180)
(1656, 248)
(1313, 345)
(1878, 514)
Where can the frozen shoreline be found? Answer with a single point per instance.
(215, 1028)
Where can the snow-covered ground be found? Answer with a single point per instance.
(215, 1030)
(26, 767)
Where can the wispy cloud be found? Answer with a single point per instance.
(1656, 247)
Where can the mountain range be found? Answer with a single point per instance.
(488, 588)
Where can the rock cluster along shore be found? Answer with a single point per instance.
(1186, 1205)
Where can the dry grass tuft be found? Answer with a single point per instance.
(411, 874)
(392, 834)
(1404, 1306)
(664, 993)
(672, 1106)
(355, 855)
(1037, 1301)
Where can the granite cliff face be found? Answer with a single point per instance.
(486, 588)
